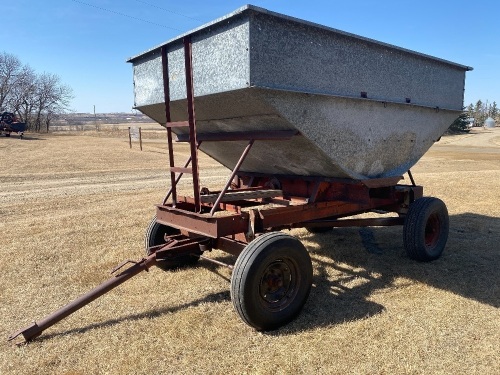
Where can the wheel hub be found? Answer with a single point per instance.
(275, 282)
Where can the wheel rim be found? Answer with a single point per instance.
(278, 284)
(432, 231)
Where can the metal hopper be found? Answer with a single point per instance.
(364, 109)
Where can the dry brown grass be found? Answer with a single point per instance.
(73, 207)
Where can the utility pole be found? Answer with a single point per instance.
(95, 121)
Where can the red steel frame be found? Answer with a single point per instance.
(302, 203)
(191, 123)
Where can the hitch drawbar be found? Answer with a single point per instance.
(36, 328)
(176, 245)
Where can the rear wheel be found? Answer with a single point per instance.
(271, 281)
(425, 230)
(155, 235)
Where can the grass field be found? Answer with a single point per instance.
(74, 206)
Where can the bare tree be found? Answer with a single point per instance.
(50, 97)
(22, 95)
(36, 99)
(12, 73)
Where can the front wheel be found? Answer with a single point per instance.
(155, 235)
(271, 281)
(425, 230)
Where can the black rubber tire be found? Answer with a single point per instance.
(425, 230)
(271, 281)
(7, 134)
(155, 235)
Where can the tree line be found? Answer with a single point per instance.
(34, 98)
(481, 111)
(476, 115)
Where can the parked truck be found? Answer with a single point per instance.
(10, 124)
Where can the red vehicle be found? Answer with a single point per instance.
(9, 123)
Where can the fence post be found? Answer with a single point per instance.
(140, 137)
(129, 138)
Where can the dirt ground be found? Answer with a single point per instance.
(74, 206)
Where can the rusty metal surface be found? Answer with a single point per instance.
(317, 189)
(230, 245)
(370, 222)
(279, 217)
(333, 200)
(166, 108)
(218, 262)
(179, 245)
(193, 143)
(232, 176)
(234, 196)
(202, 224)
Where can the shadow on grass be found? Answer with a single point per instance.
(26, 137)
(350, 264)
(468, 268)
(215, 298)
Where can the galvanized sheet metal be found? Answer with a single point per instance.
(258, 70)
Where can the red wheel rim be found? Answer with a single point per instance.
(432, 231)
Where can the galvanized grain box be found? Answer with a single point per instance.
(364, 109)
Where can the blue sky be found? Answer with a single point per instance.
(87, 42)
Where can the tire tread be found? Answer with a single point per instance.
(243, 264)
(414, 226)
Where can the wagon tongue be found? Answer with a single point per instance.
(36, 328)
(172, 248)
(29, 332)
